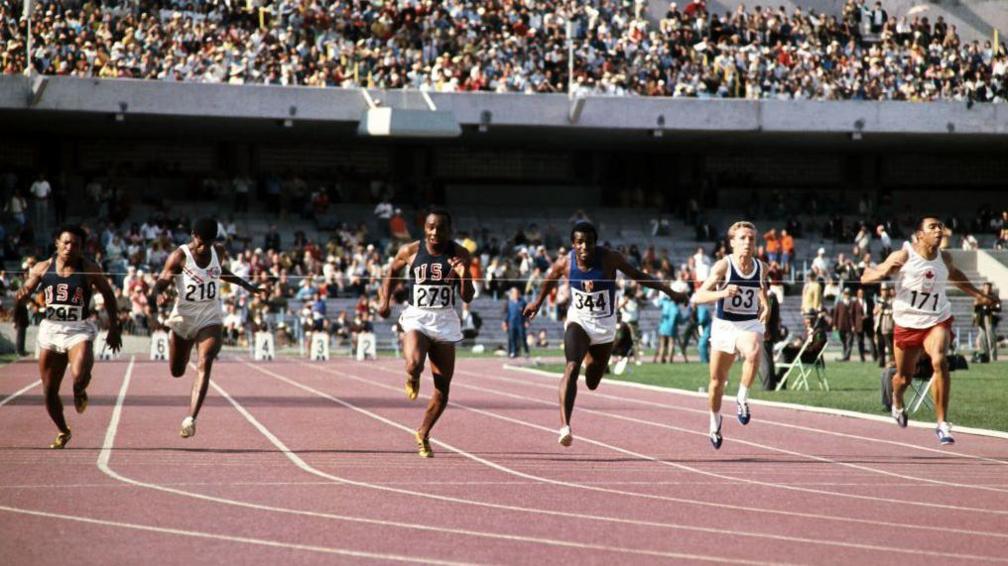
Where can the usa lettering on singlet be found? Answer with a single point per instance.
(195, 284)
(429, 283)
(67, 299)
(591, 295)
(921, 300)
(745, 304)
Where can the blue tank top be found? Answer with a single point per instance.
(431, 285)
(67, 299)
(744, 305)
(592, 296)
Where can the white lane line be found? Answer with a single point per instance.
(777, 404)
(510, 471)
(227, 538)
(646, 457)
(300, 463)
(805, 408)
(19, 392)
(105, 455)
(103, 464)
(747, 442)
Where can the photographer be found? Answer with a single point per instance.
(986, 318)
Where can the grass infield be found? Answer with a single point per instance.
(979, 396)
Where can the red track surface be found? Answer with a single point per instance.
(315, 463)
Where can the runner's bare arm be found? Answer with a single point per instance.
(226, 274)
(959, 279)
(31, 282)
(764, 300)
(460, 265)
(706, 292)
(397, 264)
(97, 279)
(172, 267)
(556, 272)
(874, 274)
(620, 263)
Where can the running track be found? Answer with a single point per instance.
(315, 463)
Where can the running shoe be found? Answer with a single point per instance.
(565, 436)
(620, 366)
(188, 427)
(742, 411)
(715, 435)
(61, 439)
(80, 401)
(944, 434)
(412, 388)
(423, 446)
(901, 417)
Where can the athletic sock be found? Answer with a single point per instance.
(743, 393)
(715, 420)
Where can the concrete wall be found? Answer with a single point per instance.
(994, 270)
(68, 94)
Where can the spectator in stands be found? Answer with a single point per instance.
(864, 324)
(884, 326)
(271, 241)
(397, 227)
(886, 241)
(471, 322)
(772, 246)
(514, 323)
(775, 277)
(811, 294)
(383, 214)
(844, 318)
(787, 250)
(16, 207)
(820, 265)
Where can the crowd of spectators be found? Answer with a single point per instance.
(513, 46)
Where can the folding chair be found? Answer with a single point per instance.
(802, 367)
(921, 393)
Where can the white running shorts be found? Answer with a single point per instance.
(61, 337)
(187, 321)
(725, 333)
(440, 325)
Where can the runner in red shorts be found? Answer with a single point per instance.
(923, 314)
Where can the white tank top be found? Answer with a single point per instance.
(920, 300)
(198, 285)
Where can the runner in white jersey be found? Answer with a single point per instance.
(590, 328)
(739, 321)
(196, 270)
(438, 271)
(66, 334)
(922, 314)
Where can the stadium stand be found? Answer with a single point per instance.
(832, 51)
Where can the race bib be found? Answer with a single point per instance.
(745, 302)
(64, 313)
(593, 304)
(922, 301)
(433, 296)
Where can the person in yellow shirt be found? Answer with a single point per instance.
(811, 297)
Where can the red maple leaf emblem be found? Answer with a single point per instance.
(929, 275)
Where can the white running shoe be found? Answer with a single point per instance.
(188, 427)
(621, 366)
(565, 436)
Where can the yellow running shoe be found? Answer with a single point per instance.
(423, 446)
(80, 401)
(61, 439)
(412, 389)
